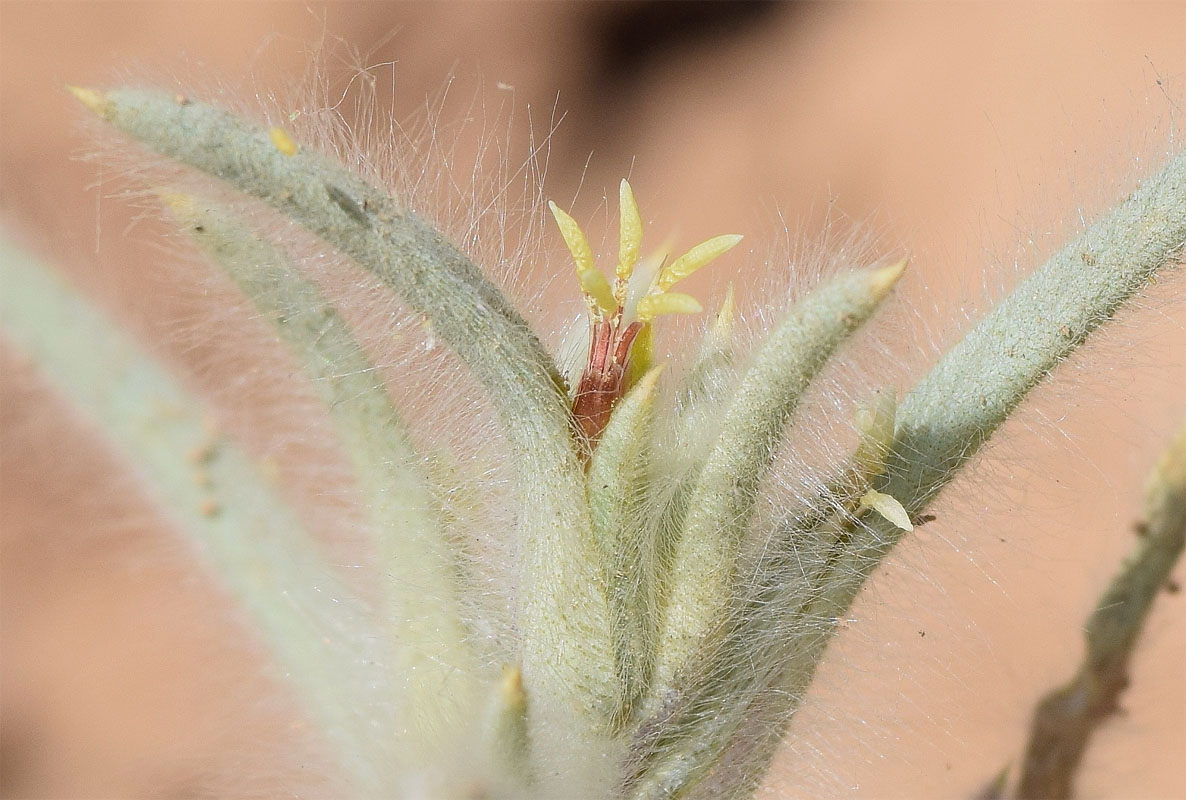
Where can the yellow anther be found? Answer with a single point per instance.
(657, 305)
(699, 256)
(596, 286)
(282, 141)
(574, 237)
(888, 507)
(646, 297)
(629, 231)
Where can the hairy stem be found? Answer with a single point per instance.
(1066, 718)
(972, 390)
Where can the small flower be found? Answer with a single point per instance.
(620, 315)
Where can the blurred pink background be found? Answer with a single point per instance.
(971, 135)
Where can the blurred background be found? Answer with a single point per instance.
(972, 136)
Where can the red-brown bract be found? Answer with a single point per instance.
(602, 382)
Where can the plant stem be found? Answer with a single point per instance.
(972, 390)
(1065, 719)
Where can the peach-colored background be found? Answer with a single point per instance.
(973, 134)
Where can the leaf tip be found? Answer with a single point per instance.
(646, 384)
(512, 695)
(723, 324)
(884, 279)
(93, 99)
(181, 205)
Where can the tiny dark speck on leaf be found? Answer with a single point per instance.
(347, 204)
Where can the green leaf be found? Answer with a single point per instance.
(320, 632)
(435, 672)
(567, 658)
(620, 498)
(705, 558)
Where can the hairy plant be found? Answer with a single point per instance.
(663, 629)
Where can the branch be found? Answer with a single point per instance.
(1065, 719)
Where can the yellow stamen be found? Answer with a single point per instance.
(888, 507)
(657, 305)
(596, 287)
(282, 141)
(699, 256)
(574, 237)
(629, 231)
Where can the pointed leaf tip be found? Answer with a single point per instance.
(882, 280)
(511, 687)
(723, 324)
(95, 100)
(182, 205)
(646, 384)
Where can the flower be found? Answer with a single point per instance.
(620, 315)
